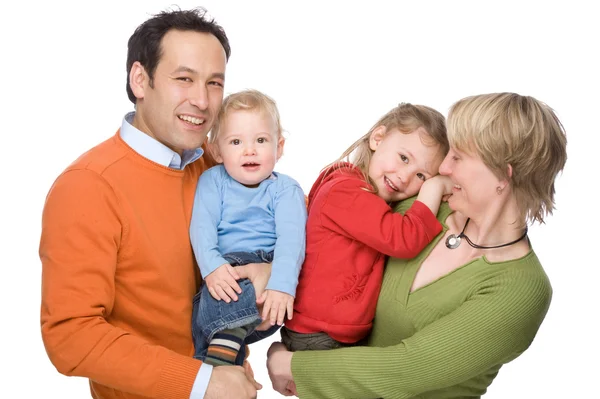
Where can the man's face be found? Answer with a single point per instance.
(181, 107)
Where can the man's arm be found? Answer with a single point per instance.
(82, 232)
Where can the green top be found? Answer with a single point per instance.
(447, 339)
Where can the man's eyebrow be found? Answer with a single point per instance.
(185, 69)
(218, 75)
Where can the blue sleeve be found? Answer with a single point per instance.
(206, 216)
(201, 382)
(290, 226)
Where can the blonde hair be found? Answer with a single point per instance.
(406, 118)
(509, 129)
(247, 100)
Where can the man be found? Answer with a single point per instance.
(118, 274)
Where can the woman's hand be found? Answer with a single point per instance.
(279, 365)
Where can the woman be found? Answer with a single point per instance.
(474, 299)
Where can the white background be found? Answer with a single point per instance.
(334, 69)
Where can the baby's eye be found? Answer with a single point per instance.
(261, 140)
(404, 158)
(421, 176)
(235, 142)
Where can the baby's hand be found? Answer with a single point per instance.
(276, 303)
(222, 282)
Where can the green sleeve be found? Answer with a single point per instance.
(493, 326)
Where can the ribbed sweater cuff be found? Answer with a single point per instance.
(307, 365)
(178, 377)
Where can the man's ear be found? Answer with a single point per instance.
(376, 137)
(280, 145)
(138, 80)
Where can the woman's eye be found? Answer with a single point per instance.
(421, 176)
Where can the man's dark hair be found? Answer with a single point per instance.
(144, 44)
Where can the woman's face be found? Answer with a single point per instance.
(475, 185)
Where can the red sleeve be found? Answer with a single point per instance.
(350, 210)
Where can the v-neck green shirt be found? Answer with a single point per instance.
(447, 339)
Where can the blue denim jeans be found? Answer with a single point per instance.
(210, 316)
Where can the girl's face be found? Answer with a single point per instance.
(401, 162)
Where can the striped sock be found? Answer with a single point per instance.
(224, 347)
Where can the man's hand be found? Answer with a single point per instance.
(231, 382)
(276, 303)
(258, 274)
(222, 282)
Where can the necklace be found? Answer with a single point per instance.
(453, 240)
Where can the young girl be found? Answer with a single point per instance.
(351, 226)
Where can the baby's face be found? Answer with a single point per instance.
(248, 146)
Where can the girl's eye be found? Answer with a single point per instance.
(404, 158)
(455, 158)
(421, 176)
(235, 141)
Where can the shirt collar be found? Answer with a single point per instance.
(152, 149)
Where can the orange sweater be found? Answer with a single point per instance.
(118, 273)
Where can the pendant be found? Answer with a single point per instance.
(453, 241)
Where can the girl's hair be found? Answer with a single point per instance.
(406, 118)
(509, 129)
(247, 100)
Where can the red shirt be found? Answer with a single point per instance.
(349, 232)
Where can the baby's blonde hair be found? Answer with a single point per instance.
(247, 100)
(509, 129)
(406, 118)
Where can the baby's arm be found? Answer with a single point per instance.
(290, 225)
(206, 215)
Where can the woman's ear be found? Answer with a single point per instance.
(376, 137)
(504, 182)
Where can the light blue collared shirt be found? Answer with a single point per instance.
(155, 151)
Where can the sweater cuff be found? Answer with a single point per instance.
(433, 226)
(178, 376)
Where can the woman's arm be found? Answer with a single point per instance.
(495, 325)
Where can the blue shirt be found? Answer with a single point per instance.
(230, 217)
(155, 151)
